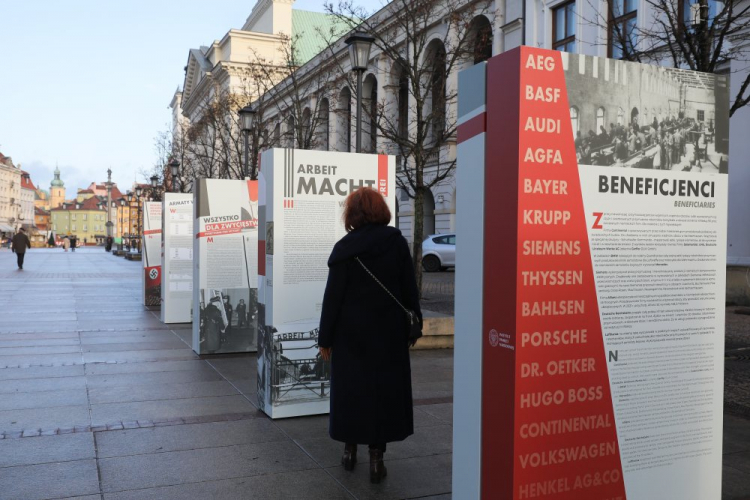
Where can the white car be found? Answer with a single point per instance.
(438, 252)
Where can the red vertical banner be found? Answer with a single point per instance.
(565, 440)
(383, 174)
(152, 278)
(261, 257)
(548, 426)
(252, 190)
(499, 297)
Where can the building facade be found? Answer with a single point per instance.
(10, 196)
(570, 25)
(42, 220)
(28, 193)
(85, 220)
(41, 199)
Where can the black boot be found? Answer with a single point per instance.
(350, 456)
(377, 468)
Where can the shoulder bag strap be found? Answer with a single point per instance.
(381, 285)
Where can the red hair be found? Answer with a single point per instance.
(365, 206)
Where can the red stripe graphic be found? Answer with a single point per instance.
(383, 174)
(499, 297)
(252, 190)
(261, 258)
(472, 127)
(557, 382)
(152, 231)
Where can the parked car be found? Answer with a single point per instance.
(438, 252)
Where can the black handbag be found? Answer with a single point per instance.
(413, 325)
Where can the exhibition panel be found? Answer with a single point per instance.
(151, 248)
(590, 279)
(302, 197)
(225, 266)
(177, 258)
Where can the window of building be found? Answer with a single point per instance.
(85, 228)
(482, 37)
(73, 227)
(72, 216)
(574, 120)
(623, 21)
(701, 115)
(600, 121)
(620, 116)
(690, 12)
(84, 216)
(564, 27)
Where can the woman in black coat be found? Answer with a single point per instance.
(364, 332)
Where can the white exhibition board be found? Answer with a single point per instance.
(177, 258)
(301, 207)
(225, 262)
(150, 251)
(590, 285)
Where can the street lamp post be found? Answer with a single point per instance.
(109, 208)
(119, 220)
(247, 120)
(359, 54)
(138, 193)
(130, 220)
(174, 167)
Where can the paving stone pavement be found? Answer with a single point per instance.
(100, 400)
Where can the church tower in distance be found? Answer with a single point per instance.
(56, 190)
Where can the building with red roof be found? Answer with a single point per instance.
(85, 219)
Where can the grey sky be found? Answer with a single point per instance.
(86, 83)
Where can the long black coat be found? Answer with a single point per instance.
(370, 372)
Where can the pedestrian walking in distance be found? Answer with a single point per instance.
(20, 244)
(66, 243)
(364, 333)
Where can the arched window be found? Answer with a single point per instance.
(481, 36)
(428, 214)
(323, 133)
(370, 119)
(620, 116)
(436, 57)
(574, 120)
(345, 120)
(306, 139)
(403, 105)
(291, 132)
(600, 121)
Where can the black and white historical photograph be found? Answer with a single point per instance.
(297, 371)
(227, 319)
(642, 116)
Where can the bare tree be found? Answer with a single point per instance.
(214, 142)
(291, 94)
(704, 36)
(171, 145)
(427, 43)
